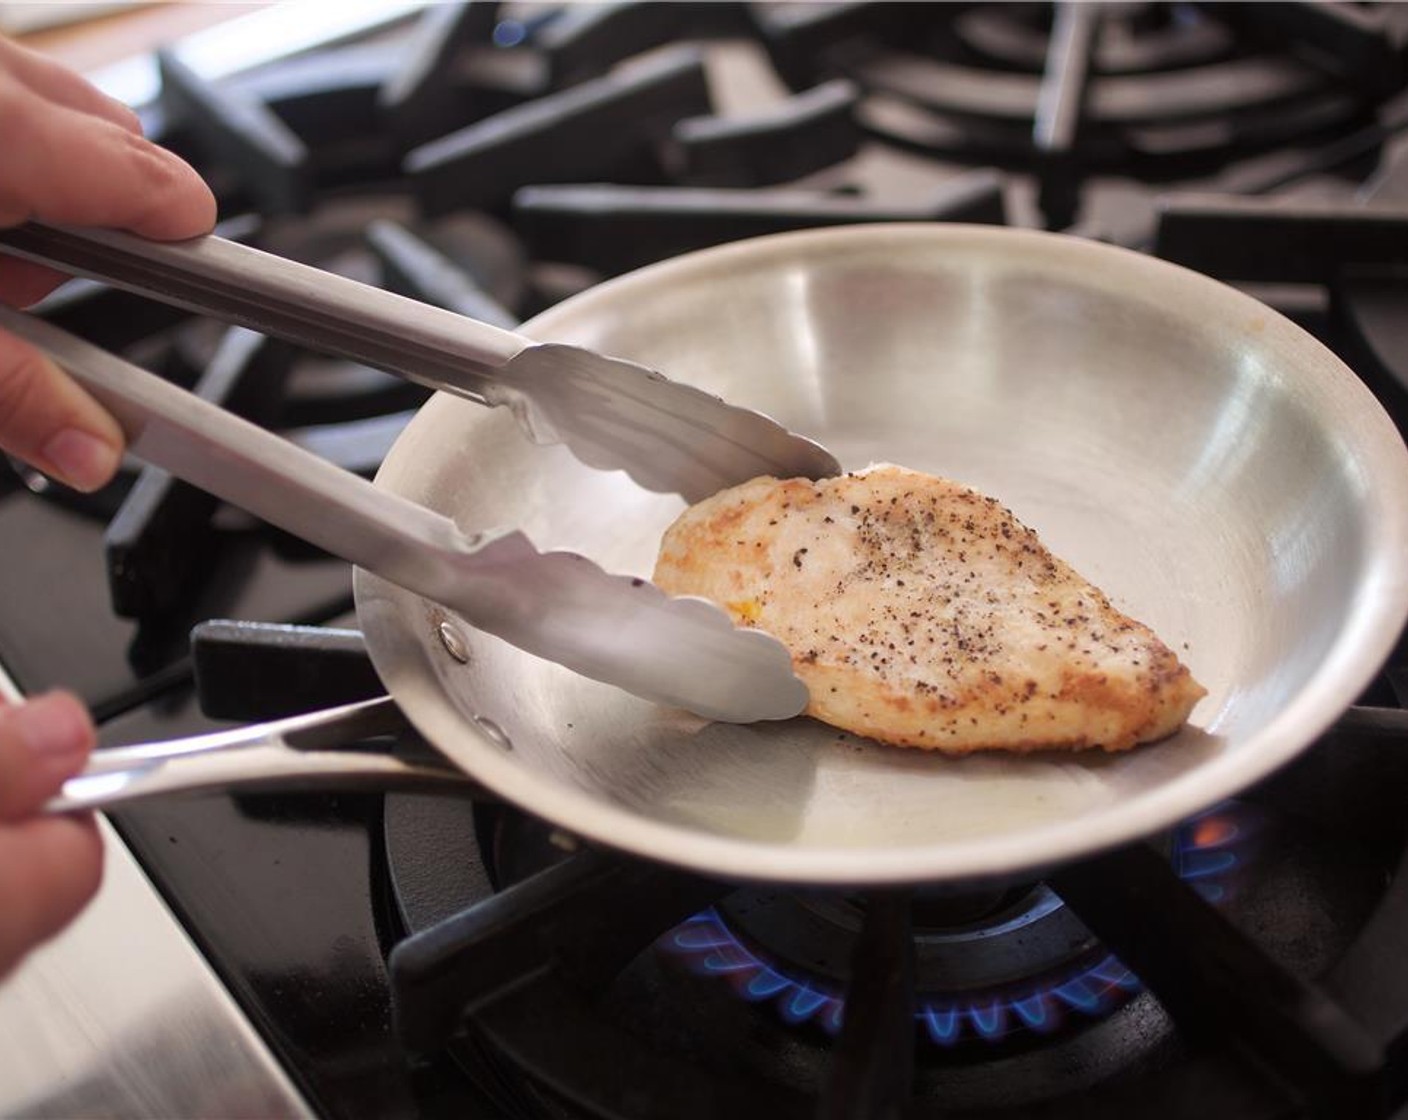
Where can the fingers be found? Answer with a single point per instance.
(49, 869)
(74, 157)
(42, 742)
(62, 86)
(60, 130)
(47, 420)
(65, 166)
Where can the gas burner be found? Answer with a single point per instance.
(990, 966)
(713, 949)
(507, 917)
(1139, 38)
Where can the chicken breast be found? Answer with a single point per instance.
(921, 613)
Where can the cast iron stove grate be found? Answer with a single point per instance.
(466, 161)
(447, 162)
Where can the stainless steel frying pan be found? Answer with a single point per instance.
(1213, 468)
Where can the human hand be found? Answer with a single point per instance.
(49, 866)
(74, 156)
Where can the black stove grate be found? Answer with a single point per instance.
(495, 158)
(1057, 95)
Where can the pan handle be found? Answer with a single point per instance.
(325, 312)
(303, 752)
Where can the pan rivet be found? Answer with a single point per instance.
(494, 731)
(453, 642)
(564, 841)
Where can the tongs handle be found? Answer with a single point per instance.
(611, 414)
(255, 469)
(280, 297)
(557, 605)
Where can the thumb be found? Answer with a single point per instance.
(47, 420)
(42, 742)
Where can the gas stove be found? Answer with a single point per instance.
(409, 955)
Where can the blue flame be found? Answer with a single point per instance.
(943, 1024)
(1034, 1012)
(1203, 855)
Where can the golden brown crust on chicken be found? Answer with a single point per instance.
(921, 613)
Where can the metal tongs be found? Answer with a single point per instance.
(612, 414)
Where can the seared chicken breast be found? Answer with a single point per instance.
(922, 613)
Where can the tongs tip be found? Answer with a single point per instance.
(669, 436)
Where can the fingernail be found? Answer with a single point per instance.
(52, 727)
(81, 459)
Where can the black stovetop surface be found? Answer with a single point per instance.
(1269, 929)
